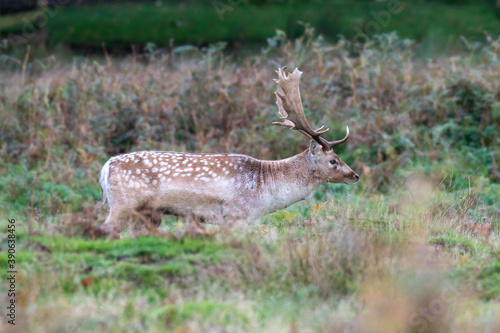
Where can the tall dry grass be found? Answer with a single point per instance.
(395, 253)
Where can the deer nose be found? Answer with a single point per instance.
(356, 176)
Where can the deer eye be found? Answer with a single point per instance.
(333, 162)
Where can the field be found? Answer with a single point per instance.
(436, 25)
(413, 247)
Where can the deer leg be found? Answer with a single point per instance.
(113, 225)
(193, 226)
(148, 220)
(236, 223)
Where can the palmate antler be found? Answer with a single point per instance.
(290, 108)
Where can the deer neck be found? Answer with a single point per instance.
(288, 181)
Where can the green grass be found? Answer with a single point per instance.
(364, 258)
(437, 26)
(490, 280)
(15, 20)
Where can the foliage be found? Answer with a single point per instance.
(422, 223)
(437, 25)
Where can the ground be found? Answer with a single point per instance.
(414, 246)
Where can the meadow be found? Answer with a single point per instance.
(413, 247)
(121, 26)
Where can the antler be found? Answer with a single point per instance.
(290, 108)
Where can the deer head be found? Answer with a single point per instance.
(327, 164)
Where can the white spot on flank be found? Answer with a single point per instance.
(175, 174)
(169, 180)
(154, 182)
(155, 169)
(168, 172)
(138, 171)
(205, 169)
(198, 169)
(163, 169)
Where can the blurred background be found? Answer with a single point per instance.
(85, 26)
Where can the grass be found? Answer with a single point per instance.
(365, 258)
(436, 25)
(13, 20)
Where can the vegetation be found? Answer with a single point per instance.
(413, 247)
(437, 25)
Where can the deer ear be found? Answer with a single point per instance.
(314, 147)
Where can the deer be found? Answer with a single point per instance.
(227, 189)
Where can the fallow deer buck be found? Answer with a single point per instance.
(223, 188)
